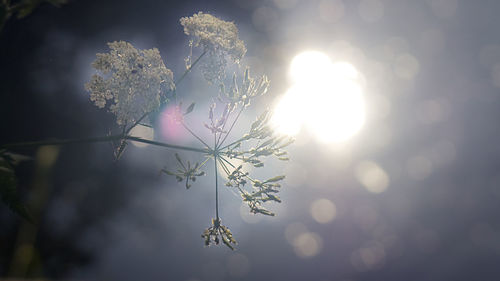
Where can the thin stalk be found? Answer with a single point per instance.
(239, 158)
(216, 191)
(203, 163)
(222, 129)
(231, 144)
(216, 180)
(225, 160)
(190, 68)
(231, 164)
(232, 125)
(100, 139)
(145, 125)
(137, 122)
(195, 135)
(179, 80)
(225, 168)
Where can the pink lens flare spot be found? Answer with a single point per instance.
(170, 124)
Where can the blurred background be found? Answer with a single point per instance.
(411, 194)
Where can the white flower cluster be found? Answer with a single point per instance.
(219, 39)
(134, 82)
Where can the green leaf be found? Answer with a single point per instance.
(189, 109)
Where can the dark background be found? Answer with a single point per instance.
(433, 130)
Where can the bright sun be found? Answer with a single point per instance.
(326, 97)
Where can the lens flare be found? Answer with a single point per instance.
(310, 67)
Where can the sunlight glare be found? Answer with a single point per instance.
(310, 67)
(326, 97)
(286, 117)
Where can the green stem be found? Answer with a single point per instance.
(100, 139)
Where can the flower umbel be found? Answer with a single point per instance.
(219, 39)
(186, 171)
(249, 88)
(212, 234)
(133, 82)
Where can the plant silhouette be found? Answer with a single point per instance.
(134, 84)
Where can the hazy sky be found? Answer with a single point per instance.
(414, 195)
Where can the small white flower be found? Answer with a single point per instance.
(219, 39)
(133, 83)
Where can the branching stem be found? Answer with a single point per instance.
(231, 164)
(230, 128)
(226, 169)
(194, 135)
(231, 144)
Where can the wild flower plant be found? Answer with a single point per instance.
(135, 83)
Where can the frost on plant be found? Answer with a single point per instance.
(133, 82)
(219, 39)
